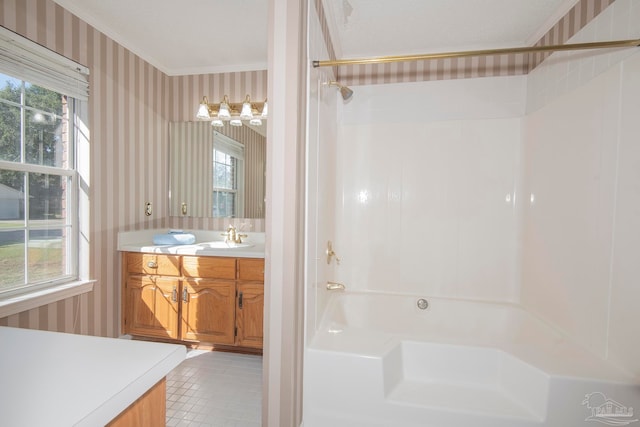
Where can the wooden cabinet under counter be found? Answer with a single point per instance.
(208, 311)
(250, 302)
(151, 306)
(250, 314)
(208, 299)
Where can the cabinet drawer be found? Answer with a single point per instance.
(165, 265)
(209, 267)
(251, 269)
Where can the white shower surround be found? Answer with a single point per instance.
(495, 204)
(427, 176)
(505, 191)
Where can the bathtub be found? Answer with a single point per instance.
(379, 360)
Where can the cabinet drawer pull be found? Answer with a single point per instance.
(185, 295)
(174, 294)
(240, 300)
(152, 264)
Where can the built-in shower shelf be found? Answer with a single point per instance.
(460, 398)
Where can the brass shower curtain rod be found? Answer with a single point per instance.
(485, 52)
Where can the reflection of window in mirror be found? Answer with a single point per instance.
(192, 169)
(228, 177)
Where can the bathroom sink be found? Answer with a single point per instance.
(224, 245)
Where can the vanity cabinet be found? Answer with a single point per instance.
(152, 306)
(151, 291)
(250, 302)
(249, 314)
(208, 311)
(218, 300)
(209, 298)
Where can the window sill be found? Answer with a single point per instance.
(28, 301)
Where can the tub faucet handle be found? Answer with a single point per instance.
(335, 286)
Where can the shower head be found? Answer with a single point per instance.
(344, 90)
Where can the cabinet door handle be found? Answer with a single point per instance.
(152, 264)
(174, 294)
(185, 295)
(240, 300)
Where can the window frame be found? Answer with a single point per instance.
(71, 219)
(30, 62)
(235, 150)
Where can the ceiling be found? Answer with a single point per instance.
(212, 36)
(364, 28)
(183, 37)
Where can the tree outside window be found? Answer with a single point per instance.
(36, 176)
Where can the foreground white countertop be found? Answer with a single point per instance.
(142, 241)
(56, 379)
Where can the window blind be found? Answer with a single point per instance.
(20, 57)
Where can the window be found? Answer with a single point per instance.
(38, 178)
(228, 173)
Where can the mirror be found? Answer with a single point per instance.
(217, 171)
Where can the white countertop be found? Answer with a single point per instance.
(142, 241)
(56, 379)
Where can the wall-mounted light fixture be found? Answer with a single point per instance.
(233, 112)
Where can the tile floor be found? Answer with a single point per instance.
(213, 388)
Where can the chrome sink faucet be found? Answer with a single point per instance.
(232, 235)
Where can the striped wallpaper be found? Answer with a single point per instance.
(579, 16)
(255, 157)
(191, 174)
(130, 107)
(186, 94)
(187, 91)
(461, 68)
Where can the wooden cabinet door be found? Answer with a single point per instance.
(152, 306)
(249, 314)
(208, 311)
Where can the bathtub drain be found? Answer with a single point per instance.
(422, 304)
